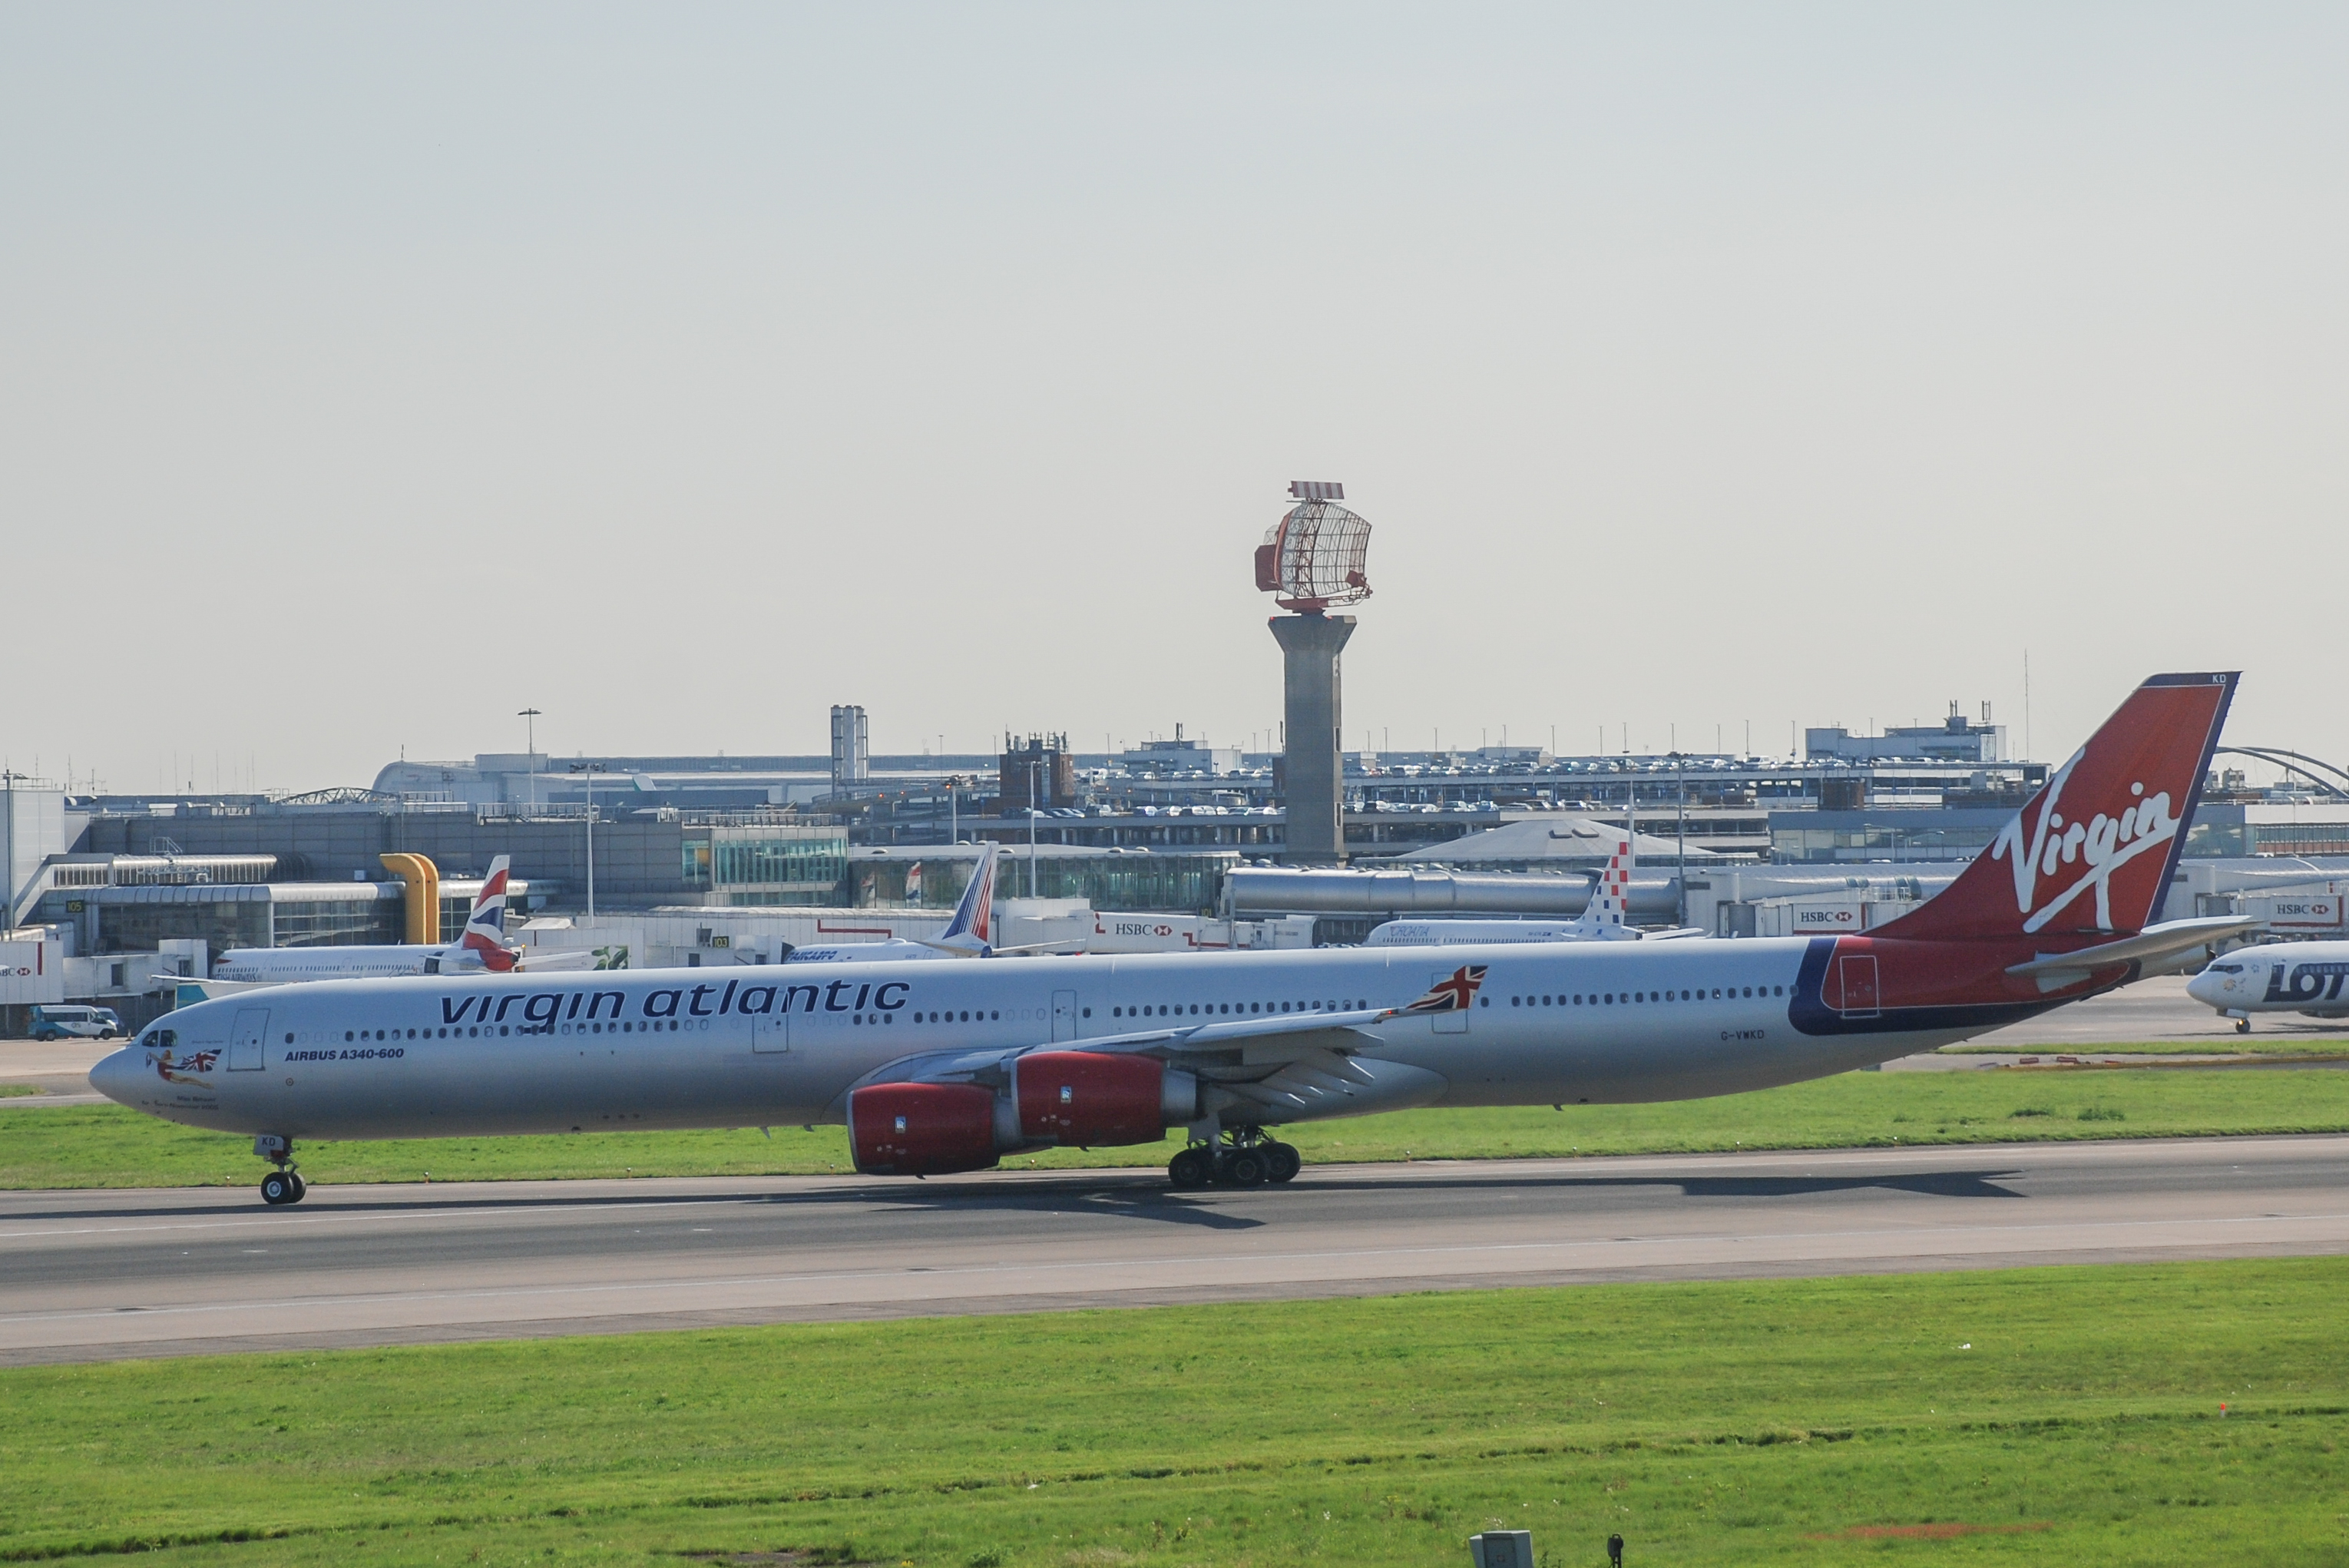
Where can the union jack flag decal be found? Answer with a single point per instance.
(1452, 995)
(193, 1062)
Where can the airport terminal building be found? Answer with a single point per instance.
(1871, 821)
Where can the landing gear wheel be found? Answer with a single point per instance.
(1242, 1167)
(301, 1188)
(2242, 1026)
(1193, 1167)
(1282, 1162)
(279, 1187)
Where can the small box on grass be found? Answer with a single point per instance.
(1502, 1549)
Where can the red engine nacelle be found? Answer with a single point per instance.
(922, 1128)
(1096, 1098)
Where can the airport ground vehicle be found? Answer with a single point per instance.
(936, 1068)
(68, 1021)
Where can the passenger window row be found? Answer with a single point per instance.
(1220, 1008)
(1619, 998)
(475, 1031)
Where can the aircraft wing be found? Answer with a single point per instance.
(1284, 1064)
(2170, 939)
(954, 951)
(530, 960)
(187, 991)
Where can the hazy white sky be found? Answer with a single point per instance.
(368, 374)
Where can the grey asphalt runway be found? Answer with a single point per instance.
(104, 1274)
(57, 1071)
(2158, 1009)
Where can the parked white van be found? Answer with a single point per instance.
(74, 1022)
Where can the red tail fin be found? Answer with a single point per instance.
(2093, 853)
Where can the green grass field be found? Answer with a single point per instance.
(2060, 1415)
(105, 1146)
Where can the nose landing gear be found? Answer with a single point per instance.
(1246, 1159)
(284, 1185)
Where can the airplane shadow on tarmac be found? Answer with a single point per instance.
(1136, 1194)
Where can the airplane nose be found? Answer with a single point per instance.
(115, 1076)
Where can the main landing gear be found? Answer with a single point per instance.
(284, 1185)
(1246, 1159)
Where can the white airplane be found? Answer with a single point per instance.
(2304, 977)
(969, 934)
(939, 1067)
(481, 947)
(1601, 919)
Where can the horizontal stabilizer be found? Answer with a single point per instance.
(2155, 942)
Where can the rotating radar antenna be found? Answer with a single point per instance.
(1313, 556)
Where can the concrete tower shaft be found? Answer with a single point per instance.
(1315, 774)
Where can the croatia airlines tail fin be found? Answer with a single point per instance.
(1605, 917)
(485, 941)
(2093, 853)
(972, 929)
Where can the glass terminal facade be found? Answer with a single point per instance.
(766, 863)
(1106, 880)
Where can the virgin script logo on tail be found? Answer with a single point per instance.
(2099, 846)
(1452, 995)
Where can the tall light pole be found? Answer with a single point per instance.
(1680, 791)
(529, 717)
(590, 770)
(8, 778)
(1034, 770)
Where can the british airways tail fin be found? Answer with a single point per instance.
(2092, 851)
(972, 929)
(485, 928)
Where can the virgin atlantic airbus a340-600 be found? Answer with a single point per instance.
(946, 1066)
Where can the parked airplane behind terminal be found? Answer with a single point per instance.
(1602, 919)
(937, 1067)
(970, 934)
(2304, 977)
(482, 947)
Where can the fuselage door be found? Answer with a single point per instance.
(772, 1032)
(1857, 972)
(1064, 1014)
(245, 1044)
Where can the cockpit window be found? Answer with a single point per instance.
(2228, 968)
